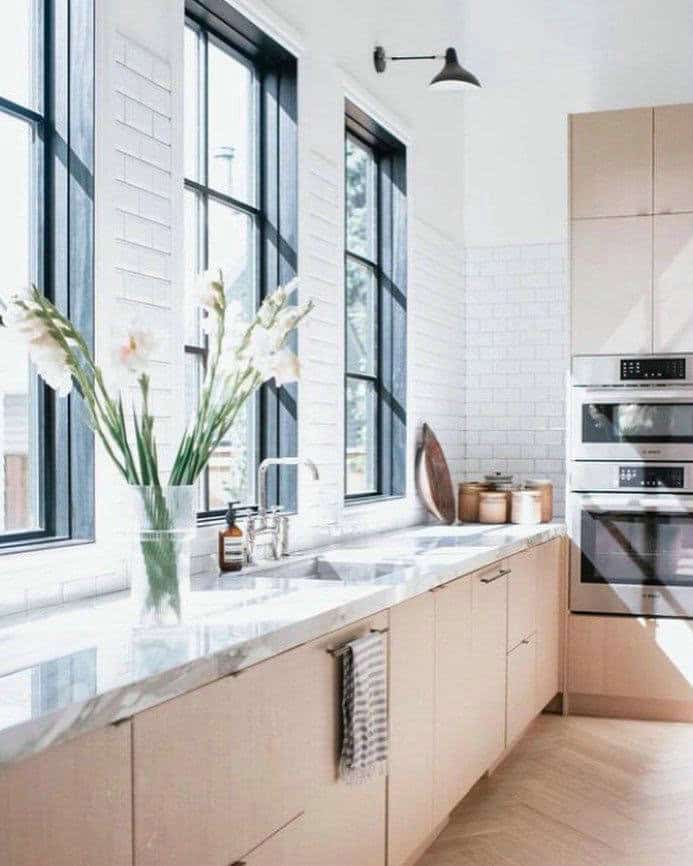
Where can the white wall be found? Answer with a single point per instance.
(138, 261)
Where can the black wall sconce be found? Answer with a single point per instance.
(451, 77)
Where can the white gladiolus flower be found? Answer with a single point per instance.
(290, 317)
(210, 289)
(21, 317)
(51, 364)
(285, 367)
(134, 349)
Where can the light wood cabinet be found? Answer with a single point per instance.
(522, 596)
(489, 614)
(70, 805)
(549, 619)
(673, 160)
(455, 690)
(471, 622)
(611, 163)
(673, 282)
(218, 770)
(630, 657)
(412, 702)
(343, 823)
(612, 286)
(522, 688)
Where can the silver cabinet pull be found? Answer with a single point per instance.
(501, 573)
(526, 640)
(336, 652)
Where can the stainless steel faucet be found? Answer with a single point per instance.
(272, 523)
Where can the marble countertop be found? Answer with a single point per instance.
(83, 666)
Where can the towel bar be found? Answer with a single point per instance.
(337, 652)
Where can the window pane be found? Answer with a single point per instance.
(194, 373)
(18, 386)
(361, 318)
(232, 467)
(232, 244)
(361, 437)
(192, 104)
(361, 204)
(232, 115)
(19, 54)
(193, 265)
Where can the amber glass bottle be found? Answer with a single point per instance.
(231, 543)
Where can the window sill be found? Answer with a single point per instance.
(45, 544)
(373, 500)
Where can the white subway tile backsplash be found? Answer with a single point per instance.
(517, 340)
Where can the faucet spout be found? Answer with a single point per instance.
(279, 461)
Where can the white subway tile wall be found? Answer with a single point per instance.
(517, 361)
(144, 193)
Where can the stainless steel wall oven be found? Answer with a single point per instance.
(630, 506)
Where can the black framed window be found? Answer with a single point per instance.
(46, 174)
(240, 215)
(375, 266)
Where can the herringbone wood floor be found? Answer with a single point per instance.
(580, 792)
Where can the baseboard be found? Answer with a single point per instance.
(646, 709)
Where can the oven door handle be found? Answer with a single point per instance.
(639, 507)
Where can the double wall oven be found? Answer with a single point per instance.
(630, 506)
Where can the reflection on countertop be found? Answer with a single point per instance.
(82, 666)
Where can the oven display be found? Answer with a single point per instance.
(650, 476)
(645, 369)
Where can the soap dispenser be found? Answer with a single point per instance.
(231, 543)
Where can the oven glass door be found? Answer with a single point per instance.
(637, 422)
(645, 548)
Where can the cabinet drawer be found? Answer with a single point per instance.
(522, 596)
(521, 702)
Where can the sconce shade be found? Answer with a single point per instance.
(453, 76)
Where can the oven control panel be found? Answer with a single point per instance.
(646, 477)
(649, 369)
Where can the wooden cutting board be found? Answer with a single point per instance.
(433, 478)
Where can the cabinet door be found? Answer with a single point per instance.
(71, 805)
(550, 584)
(522, 596)
(522, 684)
(455, 696)
(412, 700)
(343, 823)
(489, 616)
(218, 770)
(631, 657)
(612, 286)
(611, 163)
(673, 283)
(673, 165)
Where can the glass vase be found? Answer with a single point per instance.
(163, 530)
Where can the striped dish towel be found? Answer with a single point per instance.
(364, 709)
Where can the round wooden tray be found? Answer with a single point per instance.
(433, 478)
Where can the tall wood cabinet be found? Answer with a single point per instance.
(631, 191)
(611, 166)
(71, 805)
